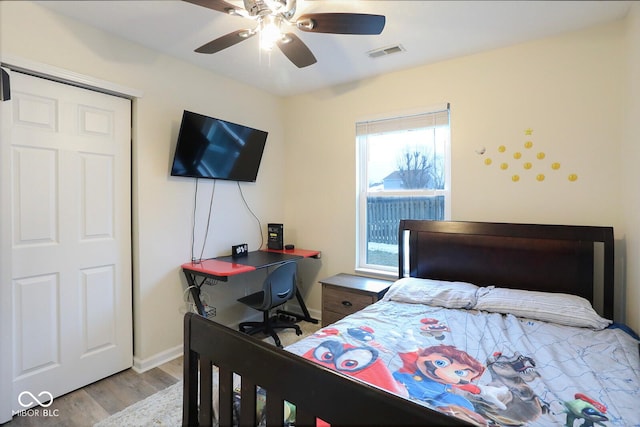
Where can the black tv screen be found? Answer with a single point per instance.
(217, 149)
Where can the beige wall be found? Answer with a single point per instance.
(631, 170)
(163, 206)
(570, 90)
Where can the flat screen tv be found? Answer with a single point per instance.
(216, 149)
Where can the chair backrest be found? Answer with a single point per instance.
(280, 285)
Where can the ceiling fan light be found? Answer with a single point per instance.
(269, 33)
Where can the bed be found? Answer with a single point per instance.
(487, 324)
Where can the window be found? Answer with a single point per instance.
(403, 173)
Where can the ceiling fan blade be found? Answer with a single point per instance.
(225, 41)
(219, 5)
(341, 23)
(297, 52)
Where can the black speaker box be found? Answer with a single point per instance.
(275, 236)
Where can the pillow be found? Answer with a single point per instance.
(439, 293)
(563, 309)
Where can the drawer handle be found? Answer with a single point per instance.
(347, 303)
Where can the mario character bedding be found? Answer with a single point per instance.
(490, 356)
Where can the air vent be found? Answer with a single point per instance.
(384, 51)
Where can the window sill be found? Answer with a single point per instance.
(382, 274)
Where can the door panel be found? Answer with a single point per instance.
(36, 315)
(34, 202)
(99, 308)
(97, 196)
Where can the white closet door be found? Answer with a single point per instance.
(70, 237)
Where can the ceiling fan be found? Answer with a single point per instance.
(274, 19)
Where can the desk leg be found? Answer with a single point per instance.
(305, 316)
(195, 293)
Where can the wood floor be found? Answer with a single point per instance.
(97, 401)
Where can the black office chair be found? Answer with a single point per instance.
(278, 288)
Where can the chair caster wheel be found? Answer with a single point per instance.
(298, 332)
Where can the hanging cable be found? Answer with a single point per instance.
(193, 224)
(190, 305)
(253, 214)
(206, 233)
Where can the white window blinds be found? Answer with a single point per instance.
(439, 117)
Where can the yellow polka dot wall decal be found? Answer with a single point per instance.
(540, 177)
(528, 131)
(515, 178)
(527, 165)
(528, 144)
(540, 156)
(573, 177)
(555, 166)
(487, 161)
(502, 148)
(517, 155)
(504, 166)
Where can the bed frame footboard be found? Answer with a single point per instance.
(317, 392)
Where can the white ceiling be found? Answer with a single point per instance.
(429, 31)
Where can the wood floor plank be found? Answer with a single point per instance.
(119, 391)
(80, 409)
(158, 378)
(173, 367)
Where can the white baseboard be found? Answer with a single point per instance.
(143, 365)
(315, 314)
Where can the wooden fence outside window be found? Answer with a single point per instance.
(384, 214)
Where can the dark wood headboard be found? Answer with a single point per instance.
(549, 258)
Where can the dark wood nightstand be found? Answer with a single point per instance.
(344, 294)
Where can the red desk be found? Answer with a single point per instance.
(221, 268)
(216, 269)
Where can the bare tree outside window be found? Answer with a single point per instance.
(413, 169)
(419, 170)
